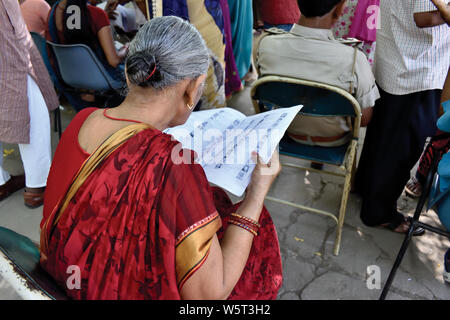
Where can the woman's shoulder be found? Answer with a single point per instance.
(99, 17)
(80, 118)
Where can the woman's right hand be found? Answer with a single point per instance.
(263, 176)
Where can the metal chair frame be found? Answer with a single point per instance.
(348, 166)
(414, 224)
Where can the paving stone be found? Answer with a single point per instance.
(289, 296)
(337, 286)
(296, 273)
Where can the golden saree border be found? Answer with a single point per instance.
(102, 152)
(192, 247)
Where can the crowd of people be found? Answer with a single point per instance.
(140, 227)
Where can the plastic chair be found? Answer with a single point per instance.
(440, 201)
(41, 44)
(318, 99)
(80, 69)
(19, 266)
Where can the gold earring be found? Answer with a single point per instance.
(190, 106)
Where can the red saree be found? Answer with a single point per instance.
(138, 226)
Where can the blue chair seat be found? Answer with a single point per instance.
(329, 155)
(23, 253)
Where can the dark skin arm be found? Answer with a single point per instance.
(428, 19)
(433, 18)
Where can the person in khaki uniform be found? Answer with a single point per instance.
(310, 52)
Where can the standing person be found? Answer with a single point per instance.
(27, 95)
(35, 13)
(412, 60)
(282, 14)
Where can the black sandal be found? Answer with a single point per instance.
(397, 221)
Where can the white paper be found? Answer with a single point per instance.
(225, 138)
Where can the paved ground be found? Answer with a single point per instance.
(311, 271)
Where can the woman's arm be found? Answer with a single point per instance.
(226, 261)
(107, 43)
(428, 19)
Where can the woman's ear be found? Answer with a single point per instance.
(194, 90)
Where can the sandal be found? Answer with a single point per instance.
(413, 188)
(399, 221)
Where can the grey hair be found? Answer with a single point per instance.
(165, 51)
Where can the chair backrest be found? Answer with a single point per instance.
(80, 68)
(41, 45)
(318, 99)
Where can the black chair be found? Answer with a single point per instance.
(415, 223)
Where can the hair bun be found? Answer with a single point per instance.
(142, 69)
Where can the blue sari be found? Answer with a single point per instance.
(241, 14)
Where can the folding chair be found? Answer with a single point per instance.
(429, 191)
(82, 72)
(41, 44)
(318, 99)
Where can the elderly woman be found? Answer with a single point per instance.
(135, 224)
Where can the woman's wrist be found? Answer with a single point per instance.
(251, 206)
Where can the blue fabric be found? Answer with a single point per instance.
(444, 166)
(444, 172)
(180, 9)
(177, 8)
(444, 121)
(241, 14)
(285, 27)
(330, 155)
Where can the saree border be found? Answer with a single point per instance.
(193, 246)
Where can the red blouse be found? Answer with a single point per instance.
(99, 19)
(279, 11)
(64, 168)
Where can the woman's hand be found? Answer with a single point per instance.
(263, 176)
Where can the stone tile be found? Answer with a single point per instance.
(337, 286)
(296, 272)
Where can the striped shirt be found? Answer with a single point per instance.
(19, 58)
(410, 59)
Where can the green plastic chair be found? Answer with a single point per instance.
(19, 264)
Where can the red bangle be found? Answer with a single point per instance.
(243, 226)
(254, 222)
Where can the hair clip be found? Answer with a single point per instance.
(151, 74)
